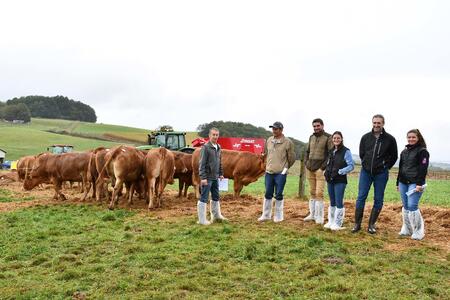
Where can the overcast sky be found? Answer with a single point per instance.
(184, 63)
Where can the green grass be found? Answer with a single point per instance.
(28, 139)
(8, 196)
(23, 140)
(58, 251)
(437, 192)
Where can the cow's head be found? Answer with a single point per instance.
(37, 175)
(180, 166)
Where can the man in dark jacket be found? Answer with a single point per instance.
(378, 153)
(210, 170)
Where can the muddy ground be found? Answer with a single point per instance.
(248, 208)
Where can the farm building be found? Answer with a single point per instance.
(2, 156)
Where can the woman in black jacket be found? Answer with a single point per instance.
(413, 169)
(339, 164)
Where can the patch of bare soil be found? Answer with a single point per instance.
(248, 208)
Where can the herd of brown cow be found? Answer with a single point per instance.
(145, 172)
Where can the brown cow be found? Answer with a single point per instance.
(183, 171)
(57, 169)
(241, 166)
(159, 167)
(124, 165)
(100, 185)
(92, 172)
(24, 166)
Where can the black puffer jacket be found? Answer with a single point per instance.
(377, 153)
(413, 167)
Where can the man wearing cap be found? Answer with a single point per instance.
(280, 153)
(319, 145)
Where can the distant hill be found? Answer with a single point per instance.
(238, 129)
(57, 107)
(33, 138)
(440, 166)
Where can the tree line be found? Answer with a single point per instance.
(57, 107)
(238, 129)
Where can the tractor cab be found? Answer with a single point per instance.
(172, 140)
(60, 148)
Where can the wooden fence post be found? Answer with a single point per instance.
(301, 178)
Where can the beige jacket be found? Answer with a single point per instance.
(280, 154)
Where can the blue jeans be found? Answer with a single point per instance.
(213, 186)
(275, 182)
(379, 183)
(336, 192)
(410, 203)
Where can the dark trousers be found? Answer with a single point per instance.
(379, 183)
(213, 186)
(275, 183)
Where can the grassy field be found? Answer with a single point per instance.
(27, 139)
(21, 140)
(71, 250)
(437, 193)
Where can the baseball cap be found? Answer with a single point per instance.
(277, 125)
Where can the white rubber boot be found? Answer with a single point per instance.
(279, 214)
(216, 214)
(417, 224)
(267, 211)
(406, 227)
(201, 211)
(312, 209)
(338, 219)
(319, 212)
(331, 211)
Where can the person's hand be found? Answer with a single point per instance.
(221, 177)
(419, 188)
(204, 182)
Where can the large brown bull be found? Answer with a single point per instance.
(183, 171)
(159, 167)
(241, 166)
(124, 165)
(57, 169)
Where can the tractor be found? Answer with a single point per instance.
(172, 140)
(60, 148)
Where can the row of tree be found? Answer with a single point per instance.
(238, 129)
(57, 107)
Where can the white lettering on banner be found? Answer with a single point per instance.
(258, 146)
(236, 145)
(248, 141)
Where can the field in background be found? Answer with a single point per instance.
(26, 139)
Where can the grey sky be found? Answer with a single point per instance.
(183, 63)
